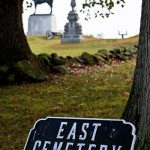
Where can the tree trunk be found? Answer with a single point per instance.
(13, 43)
(137, 110)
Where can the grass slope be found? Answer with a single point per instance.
(91, 45)
(92, 92)
(99, 92)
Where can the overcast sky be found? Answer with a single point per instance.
(124, 19)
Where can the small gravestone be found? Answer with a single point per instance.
(73, 30)
(61, 133)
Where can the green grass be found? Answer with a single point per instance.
(100, 92)
(93, 92)
(91, 45)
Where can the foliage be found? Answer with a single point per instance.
(104, 8)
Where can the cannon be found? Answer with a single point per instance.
(50, 35)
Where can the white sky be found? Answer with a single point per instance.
(124, 19)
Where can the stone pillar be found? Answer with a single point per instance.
(73, 30)
(40, 24)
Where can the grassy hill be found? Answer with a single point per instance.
(91, 45)
(95, 91)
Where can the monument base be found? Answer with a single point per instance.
(40, 24)
(71, 39)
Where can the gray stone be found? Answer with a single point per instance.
(87, 59)
(40, 24)
(73, 30)
(46, 61)
(56, 61)
(25, 71)
(61, 69)
(71, 39)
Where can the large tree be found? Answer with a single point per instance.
(13, 43)
(17, 62)
(14, 47)
(137, 110)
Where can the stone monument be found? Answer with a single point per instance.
(40, 24)
(73, 30)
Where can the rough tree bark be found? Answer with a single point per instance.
(13, 43)
(137, 109)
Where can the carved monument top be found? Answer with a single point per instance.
(73, 4)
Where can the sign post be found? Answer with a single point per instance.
(62, 133)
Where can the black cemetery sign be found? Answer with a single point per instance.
(61, 133)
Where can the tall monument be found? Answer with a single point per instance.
(73, 30)
(40, 24)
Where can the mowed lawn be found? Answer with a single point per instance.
(100, 92)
